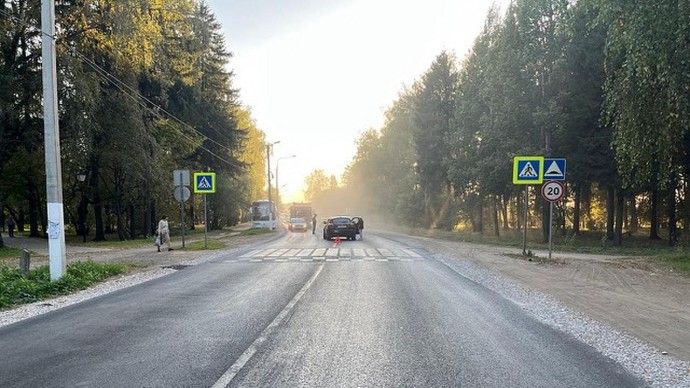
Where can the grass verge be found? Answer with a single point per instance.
(16, 289)
(255, 231)
(200, 245)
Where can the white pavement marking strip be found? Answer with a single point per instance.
(400, 252)
(318, 252)
(372, 252)
(332, 252)
(412, 253)
(305, 252)
(230, 374)
(358, 252)
(345, 252)
(252, 253)
(265, 252)
(279, 252)
(385, 252)
(291, 252)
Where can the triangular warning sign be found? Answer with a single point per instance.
(204, 184)
(528, 171)
(553, 170)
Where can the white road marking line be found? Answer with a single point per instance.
(318, 252)
(278, 252)
(266, 252)
(358, 252)
(372, 252)
(291, 252)
(305, 252)
(331, 252)
(345, 252)
(412, 253)
(252, 253)
(400, 252)
(230, 374)
(385, 252)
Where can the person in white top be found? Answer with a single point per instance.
(164, 232)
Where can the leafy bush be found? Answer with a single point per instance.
(15, 288)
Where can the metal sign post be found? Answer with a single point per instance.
(182, 194)
(524, 225)
(205, 222)
(182, 208)
(527, 170)
(552, 191)
(205, 183)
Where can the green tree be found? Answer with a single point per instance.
(434, 114)
(316, 182)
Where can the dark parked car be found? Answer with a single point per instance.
(341, 226)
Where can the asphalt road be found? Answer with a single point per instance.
(302, 312)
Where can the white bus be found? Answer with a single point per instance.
(263, 214)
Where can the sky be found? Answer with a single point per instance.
(317, 74)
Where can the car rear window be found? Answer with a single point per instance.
(341, 221)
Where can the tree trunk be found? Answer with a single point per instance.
(672, 221)
(620, 207)
(634, 221)
(504, 211)
(132, 222)
(495, 215)
(576, 210)
(97, 206)
(118, 213)
(480, 214)
(610, 211)
(654, 216)
(148, 225)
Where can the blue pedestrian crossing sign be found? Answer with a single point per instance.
(554, 169)
(528, 170)
(204, 182)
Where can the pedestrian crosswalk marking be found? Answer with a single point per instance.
(331, 255)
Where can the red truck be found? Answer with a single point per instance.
(302, 210)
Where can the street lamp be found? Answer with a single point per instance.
(277, 181)
(81, 177)
(269, 149)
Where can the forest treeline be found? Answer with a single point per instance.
(144, 89)
(602, 83)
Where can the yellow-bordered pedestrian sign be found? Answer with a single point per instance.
(528, 170)
(204, 182)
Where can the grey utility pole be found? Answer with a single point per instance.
(56, 219)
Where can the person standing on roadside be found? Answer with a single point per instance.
(313, 224)
(360, 227)
(164, 233)
(10, 226)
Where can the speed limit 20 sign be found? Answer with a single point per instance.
(552, 191)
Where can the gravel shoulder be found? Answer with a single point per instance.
(633, 295)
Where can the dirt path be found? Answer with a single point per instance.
(634, 296)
